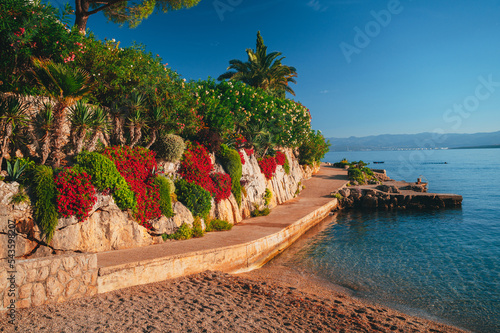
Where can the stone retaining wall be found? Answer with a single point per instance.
(33, 282)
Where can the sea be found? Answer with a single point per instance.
(439, 264)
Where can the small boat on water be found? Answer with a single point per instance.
(380, 162)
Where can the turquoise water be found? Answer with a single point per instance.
(440, 264)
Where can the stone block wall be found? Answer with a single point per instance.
(33, 282)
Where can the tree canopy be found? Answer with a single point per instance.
(130, 12)
(262, 70)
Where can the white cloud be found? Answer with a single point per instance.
(324, 91)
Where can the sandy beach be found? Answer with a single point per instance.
(259, 301)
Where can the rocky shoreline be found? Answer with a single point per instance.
(389, 194)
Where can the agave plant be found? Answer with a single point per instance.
(12, 115)
(65, 84)
(117, 113)
(15, 171)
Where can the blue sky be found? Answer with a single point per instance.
(364, 67)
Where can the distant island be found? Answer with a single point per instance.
(425, 140)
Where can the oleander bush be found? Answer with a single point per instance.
(313, 148)
(194, 197)
(45, 193)
(165, 187)
(231, 161)
(170, 147)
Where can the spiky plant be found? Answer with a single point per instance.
(117, 119)
(43, 124)
(66, 85)
(156, 121)
(136, 117)
(12, 115)
(81, 122)
(100, 127)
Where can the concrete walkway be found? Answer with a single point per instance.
(248, 245)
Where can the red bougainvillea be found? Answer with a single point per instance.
(280, 158)
(249, 152)
(136, 165)
(221, 186)
(241, 157)
(267, 166)
(76, 195)
(196, 166)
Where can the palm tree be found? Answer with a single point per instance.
(12, 115)
(65, 84)
(117, 119)
(43, 123)
(262, 70)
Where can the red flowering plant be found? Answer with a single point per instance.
(75, 194)
(241, 157)
(221, 188)
(267, 166)
(136, 165)
(196, 166)
(280, 158)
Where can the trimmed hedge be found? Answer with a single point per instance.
(194, 197)
(165, 186)
(231, 161)
(170, 147)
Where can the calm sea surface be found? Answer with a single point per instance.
(440, 264)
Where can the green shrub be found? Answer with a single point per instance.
(45, 211)
(231, 161)
(268, 196)
(184, 232)
(165, 185)
(260, 212)
(356, 174)
(286, 166)
(313, 149)
(218, 225)
(337, 196)
(194, 197)
(367, 171)
(105, 176)
(170, 147)
(20, 196)
(197, 228)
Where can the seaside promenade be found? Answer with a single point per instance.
(249, 244)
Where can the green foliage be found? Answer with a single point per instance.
(231, 162)
(260, 212)
(45, 211)
(286, 166)
(262, 70)
(197, 228)
(32, 29)
(313, 149)
(165, 187)
(194, 197)
(105, 176)
(356, 175)
(268, 196)
(337, 196)
(184, 232)
(218, 225)
(170, 147)
(15, 171)
(20, 197)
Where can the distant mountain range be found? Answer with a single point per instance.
(416, 141)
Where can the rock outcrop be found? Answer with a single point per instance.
(108, 228)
